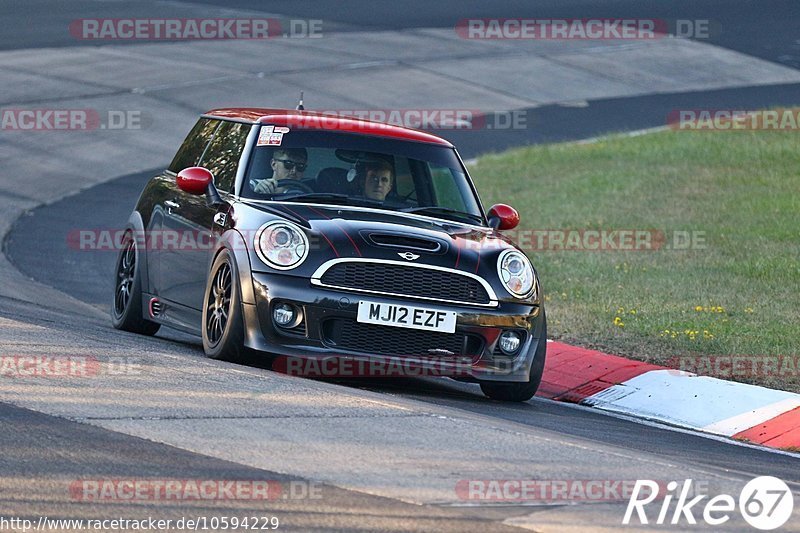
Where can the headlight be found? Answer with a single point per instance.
(281, 245)
(516, 273)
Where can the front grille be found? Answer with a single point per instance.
(347, 334)
(404, 280)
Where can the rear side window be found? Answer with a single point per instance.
(192, 148)
(222, 155)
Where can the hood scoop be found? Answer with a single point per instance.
(405, 242)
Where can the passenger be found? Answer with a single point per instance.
(375, 179)
(287, 164)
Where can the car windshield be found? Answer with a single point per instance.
(340, 168)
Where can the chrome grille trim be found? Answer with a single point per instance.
(316, 279)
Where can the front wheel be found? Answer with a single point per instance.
(506, 391)
(126, 310)
(223, 326)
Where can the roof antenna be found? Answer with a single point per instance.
(300, 106)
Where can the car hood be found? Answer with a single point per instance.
(348, 232)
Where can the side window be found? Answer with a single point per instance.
(404, 179)
(222, 156)
(446, 189)
(192, 148)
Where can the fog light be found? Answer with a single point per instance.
(283, 314)
(509, 342)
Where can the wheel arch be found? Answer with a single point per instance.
(136, 225)
(235, 244)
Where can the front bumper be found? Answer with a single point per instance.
(329, 329)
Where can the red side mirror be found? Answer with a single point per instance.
(502, 216)
(194, 180)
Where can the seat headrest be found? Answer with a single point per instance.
(332, 179)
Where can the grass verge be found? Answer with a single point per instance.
(721, 293)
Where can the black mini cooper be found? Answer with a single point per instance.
(308, 236)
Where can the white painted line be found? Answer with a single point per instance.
(735, 424)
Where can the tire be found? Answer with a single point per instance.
(507, 391)
(126, 308)
(223, 326)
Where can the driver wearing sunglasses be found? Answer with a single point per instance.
(287, 164)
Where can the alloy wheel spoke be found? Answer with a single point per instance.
(212, 330)
(125, 277)
(217, 307)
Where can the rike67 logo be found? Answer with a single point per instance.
(766, 503)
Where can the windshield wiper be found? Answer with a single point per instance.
(438, 210)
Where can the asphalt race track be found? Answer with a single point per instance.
(378, 455)
(761, 29)
(39, 226)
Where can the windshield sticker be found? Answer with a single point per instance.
(271, 135)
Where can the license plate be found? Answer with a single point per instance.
(406, 316)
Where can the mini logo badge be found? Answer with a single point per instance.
(408, 256)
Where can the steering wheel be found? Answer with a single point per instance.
(293, 185)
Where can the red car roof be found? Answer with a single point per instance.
(322, 121)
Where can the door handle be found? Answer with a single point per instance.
(171, 205)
